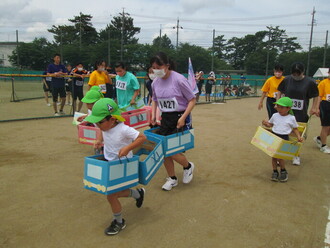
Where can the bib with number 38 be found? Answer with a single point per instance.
(168, 105)
(297, 104)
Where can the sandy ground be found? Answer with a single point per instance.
(230, 203)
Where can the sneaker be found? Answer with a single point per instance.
(48, 104)
(296, 161)
(325, 149)
(62, 112)
(58, 103)
(188, 174)
(56, 114)
(274, 176)
(139, 201)
(318, 142)
(115, 227)
(170, 183)
(283, 176)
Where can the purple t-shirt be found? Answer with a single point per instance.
(60, 81)
(172, 94)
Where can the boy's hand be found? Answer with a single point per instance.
(123, 152)
(98, 144)
(265, 123)
(300, 139)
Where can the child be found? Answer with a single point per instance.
(92, 96)
(324, 113)
(283, 123)
(119, 141)
(78, 85)
(269, 89)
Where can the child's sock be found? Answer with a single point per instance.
(188, 167)
(318, 137)
(134, 193)
(323, 145)
(118, 217)
(283, 169)
(174, 178)
(275, 171)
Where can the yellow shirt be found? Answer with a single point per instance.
(271, 85)
(324, 89)
(99, 79)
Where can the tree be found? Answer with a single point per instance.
(82, 31)
(35, 55)
(163, 42)
(220, 47)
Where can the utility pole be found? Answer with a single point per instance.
(160, 36)
(267, 61)
(325, 48)
(122, 35)
(61, 50)
(310, 42)
(80, 32)
(109, 45)
(212, 65)
(17, 48)
(177, 32)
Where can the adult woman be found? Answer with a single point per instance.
(127, 86)
(173, 95)
(300, 89)
(200, 82)
(99, 77)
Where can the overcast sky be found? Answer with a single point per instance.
(197, 18)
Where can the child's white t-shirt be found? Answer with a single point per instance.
(283, 124)
(116, 138)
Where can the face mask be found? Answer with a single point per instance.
(297, 78)
(159, 73)
(152, 76)
(100, 69)
(278, 74)
(80, 68)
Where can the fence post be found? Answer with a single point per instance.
(14, 97)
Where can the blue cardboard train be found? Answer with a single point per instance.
(108, 177)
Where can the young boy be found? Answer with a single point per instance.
(119, 141)
(283, 123)
(78, 85)
(269, 89)
(92, 96)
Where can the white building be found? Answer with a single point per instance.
(6, 50)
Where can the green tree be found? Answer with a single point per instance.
(163, 42)
(35, 55)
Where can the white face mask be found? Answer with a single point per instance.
(152, 76)
(278, 74)
(159, 73)
(101, 69)
(80, 68)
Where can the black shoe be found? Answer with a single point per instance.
(139, 201)
(115, 227)
(274, 176)
(283, 176)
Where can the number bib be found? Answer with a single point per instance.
(48, 78)
(168, 105)
(103, 88)
(121, 85)
(79, 83)
(275, 94)
(327, 97)
(297, 104)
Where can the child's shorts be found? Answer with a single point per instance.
(169, 122)
(282, 136)
(325, 113)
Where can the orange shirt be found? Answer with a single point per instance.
(99, 79)
(324, 89)
(270, 86)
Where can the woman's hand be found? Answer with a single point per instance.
(181, 122)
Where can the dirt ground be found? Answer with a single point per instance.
(230, 203)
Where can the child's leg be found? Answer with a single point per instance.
(114, 202)
(274, 164)
(325, 130)
(181, 159)
(80, 104)
(281, 162)
(169, 166)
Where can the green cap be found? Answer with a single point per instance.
(103, 108)
(285, 102)
(93, 95)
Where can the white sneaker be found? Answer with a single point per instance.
(58, 103)
(325, 149)
(296, 161)
(48, 104)
(170, 183)
(188, 174)
(318, 142)
(62, 112)
(56, 114)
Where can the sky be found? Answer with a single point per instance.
(197, 18)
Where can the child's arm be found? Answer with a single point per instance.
(267, 123)
(296, 132)
(99, 143)
(137, 142)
